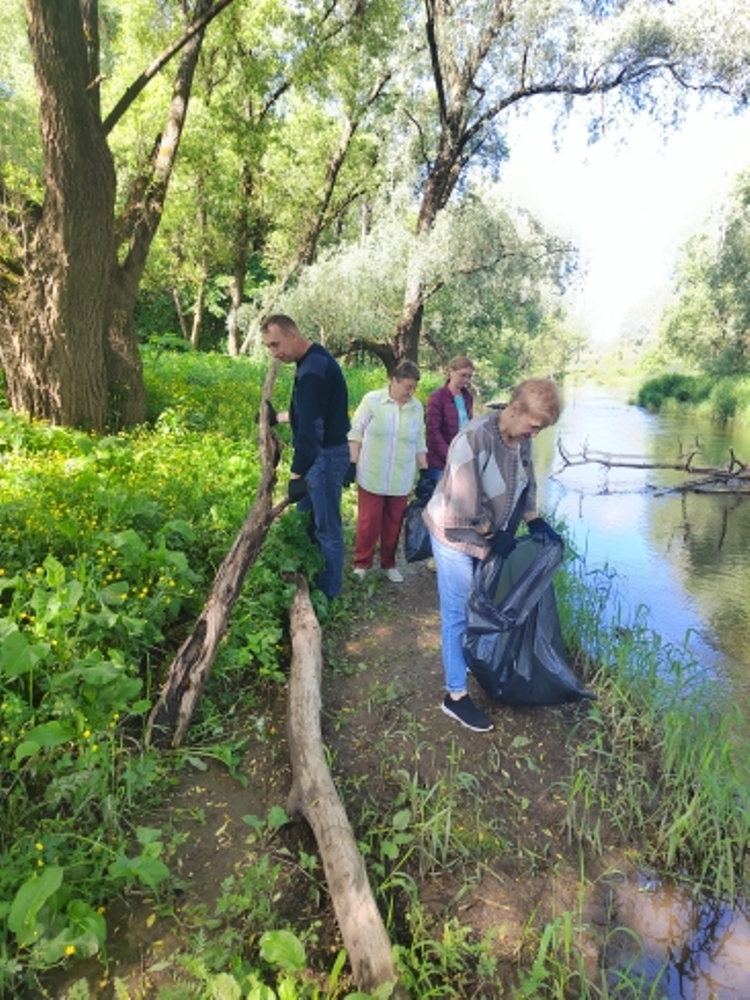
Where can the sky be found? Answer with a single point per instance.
(628, 201)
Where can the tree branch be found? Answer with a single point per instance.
(158, 64)
(173, 711)
(734, 477)
(314, 796)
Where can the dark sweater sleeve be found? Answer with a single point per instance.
(307, 421)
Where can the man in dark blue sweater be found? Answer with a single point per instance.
(319, 417)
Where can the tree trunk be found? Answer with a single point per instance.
(126, 390)
(180, 315)
(409, 328)
(435, 196)
(313, 795)
(198, 311)
(138, 225)
(68, 344)
(239, 262)
(52, 332)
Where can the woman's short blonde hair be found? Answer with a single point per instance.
(540, 396)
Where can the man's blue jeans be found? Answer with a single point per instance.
(323, 501)
(455, 575)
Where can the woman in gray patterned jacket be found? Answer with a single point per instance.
(487, 487)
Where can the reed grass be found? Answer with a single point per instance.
(656, 758)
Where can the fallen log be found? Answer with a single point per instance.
(734, 477)
(173, 711)
(314, 796)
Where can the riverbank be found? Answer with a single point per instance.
(109, 548)
(719, 398)
(495, 858)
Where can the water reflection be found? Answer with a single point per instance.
(686, 558)
(682, 555)
(696, 950)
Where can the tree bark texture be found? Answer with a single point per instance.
(190, 669)
(51, 342)
(68, 344)
(314, 796)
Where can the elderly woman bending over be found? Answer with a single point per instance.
(487, 487)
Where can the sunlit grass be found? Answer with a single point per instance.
(107, 550)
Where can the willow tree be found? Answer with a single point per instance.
(281, 145)
(487, 57)
(708, 325)
(492, 282)
(68, 345)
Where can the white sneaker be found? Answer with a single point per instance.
(394, 575)
(360, 572)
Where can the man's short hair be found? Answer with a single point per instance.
(282, 321)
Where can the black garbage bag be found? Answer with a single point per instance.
(417, 544)
(513, 642)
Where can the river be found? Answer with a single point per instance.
(684, 557)
(683, 560)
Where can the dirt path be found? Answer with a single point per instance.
(486, 810)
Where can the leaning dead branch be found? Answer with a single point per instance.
(734, 477)
(190, 669)
(314, 796)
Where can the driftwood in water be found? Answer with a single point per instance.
(314, 796)
(734, 477)
(172, 713)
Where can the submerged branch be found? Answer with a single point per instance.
(734, 477)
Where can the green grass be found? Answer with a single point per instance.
(658, 759)
(107, 549)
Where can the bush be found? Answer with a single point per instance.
(657, 393)
(108, 547)
(723, 399)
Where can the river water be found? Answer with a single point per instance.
(683, 559)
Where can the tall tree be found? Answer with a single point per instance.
(288, 97)
(67, 338)
(488, 56)
(709, 323)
